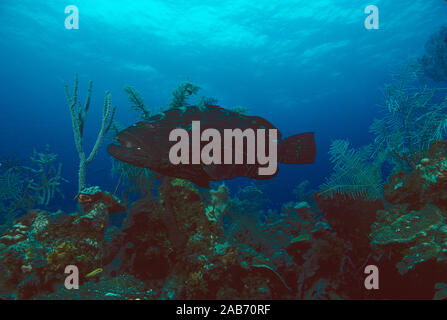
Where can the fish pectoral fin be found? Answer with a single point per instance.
(202, 179)
(203, 182)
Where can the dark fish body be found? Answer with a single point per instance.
(146, 144)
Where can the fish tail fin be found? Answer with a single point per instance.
(297, 149)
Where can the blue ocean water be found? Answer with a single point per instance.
(304, 65)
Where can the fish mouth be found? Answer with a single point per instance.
(129, 138)
(128, 149)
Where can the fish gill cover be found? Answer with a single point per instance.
(355, 207)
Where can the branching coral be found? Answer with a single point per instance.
(11, 192)
(240, 110)
(355, 174)
(11, 184)
(181, 94)
(137, 103)
(46, 177)
(22, 187)
(78, 115)
(414, 115)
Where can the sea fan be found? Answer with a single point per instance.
(23, 188)
(415, 115)
(355, 173)
(434, 62)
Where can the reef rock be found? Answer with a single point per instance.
(36, 250)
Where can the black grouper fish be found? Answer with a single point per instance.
(148, 144)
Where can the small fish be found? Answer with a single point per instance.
(94, 272)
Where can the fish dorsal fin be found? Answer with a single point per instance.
(260, 123)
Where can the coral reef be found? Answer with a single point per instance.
(191, 256)
(414, 228)
(90, 197)
(122, 287)
(36, 250)
(400, 224)
(352, 220)
(423, 185)
(179, 242)
(441, 293)
(185, 245)
(414, 119)
(417, 235)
